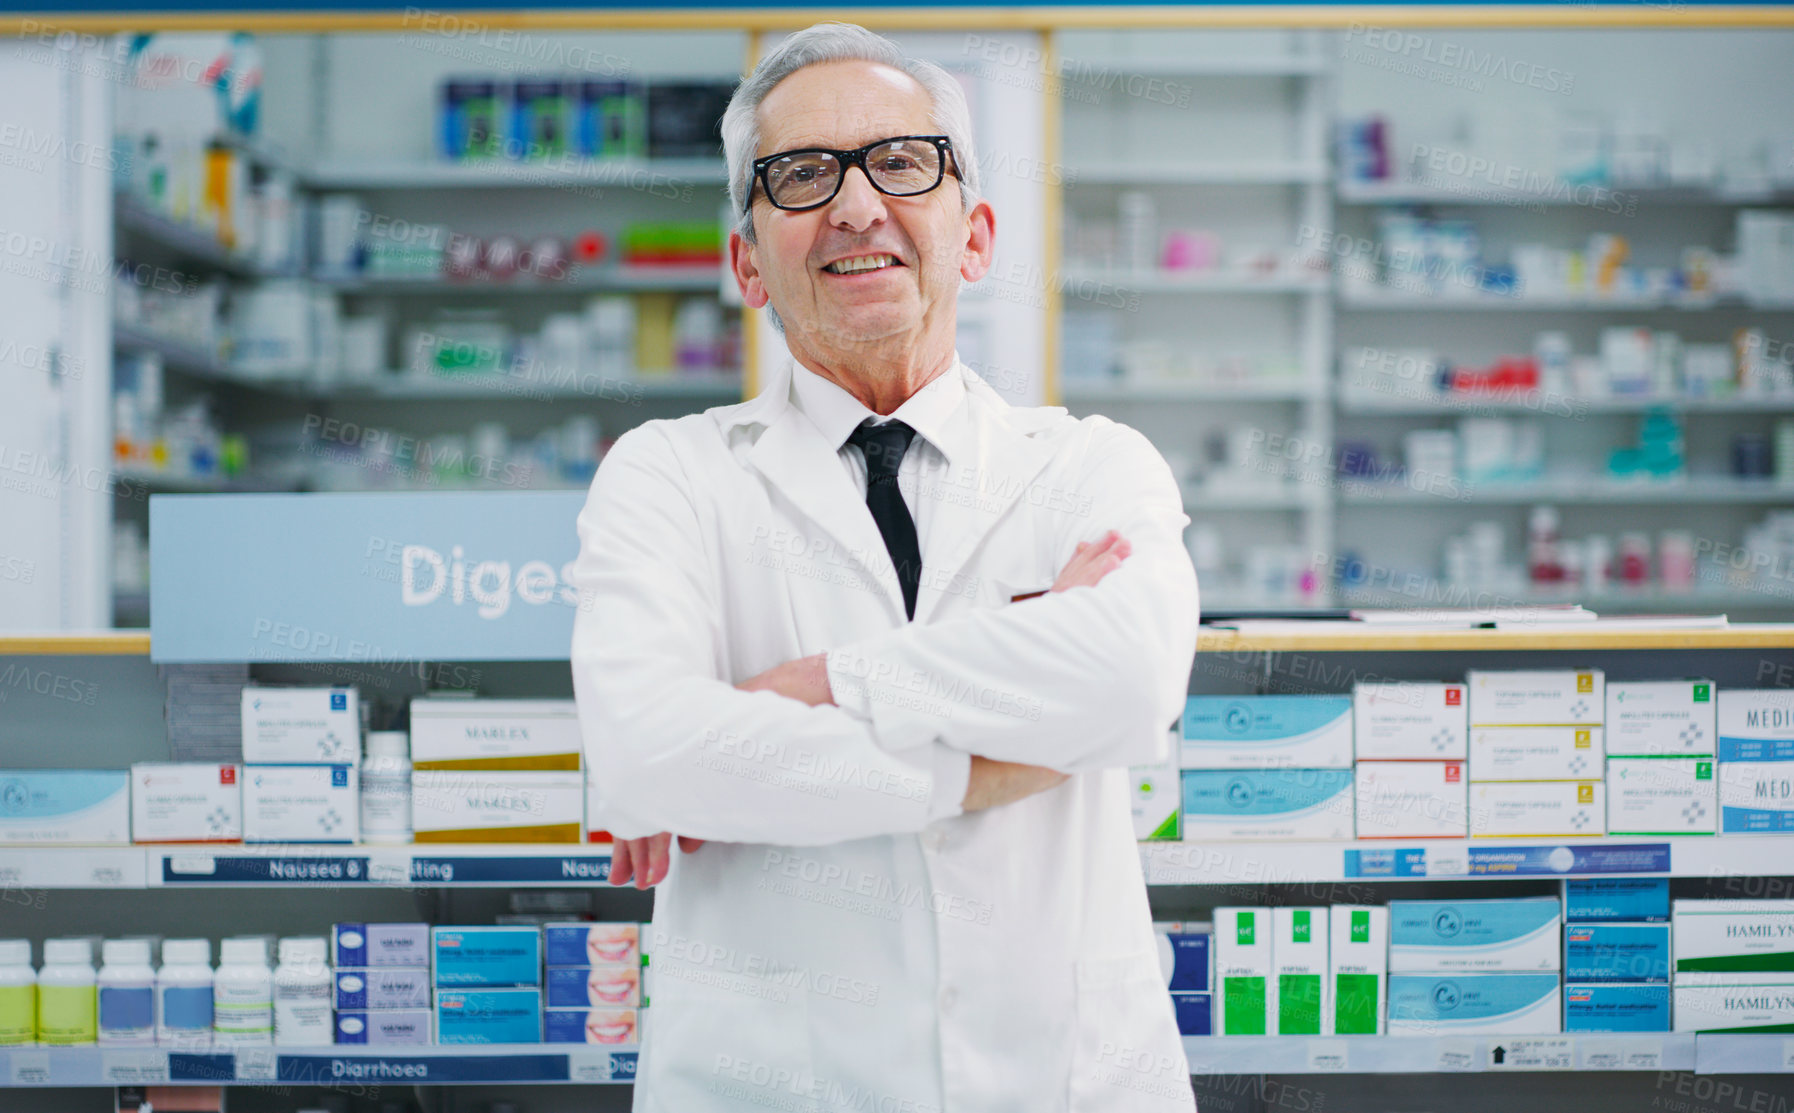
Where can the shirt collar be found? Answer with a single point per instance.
(836, 413)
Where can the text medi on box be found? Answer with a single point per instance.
(1756, 761)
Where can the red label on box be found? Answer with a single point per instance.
(1454, 772)
(1454, 697)
(227, 774)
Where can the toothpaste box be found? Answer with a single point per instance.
(606, 1025)
(1536, 698)
(584, 987)
(1510, 934)
(384, 1026)
(1661, 796)
(1409, 720)
(298, 726)
(301, 803)
(1733, 1003)
(1756, 725)
(1536, 753)
(65, 806)
(186, 802)
(1441, 1004)
(1268, 804)
(1358, 958)
(500, 734)
(368, 945)
(487, 956)
(1661, 718)
(393, 987)
(1267, 732)
(1756, 797)
(1299, 970)
(1243, 968)
(1157, 802)
(1616, 952)
(1411, 800)
(1634, 1007)
(1186, 959)
(1195, 1013)
(1732, 936)
(508, 1015)
(466, 806)
(1536, 809)
(1616, 898)
(592, 944)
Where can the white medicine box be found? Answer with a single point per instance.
(1661, 718)
(1536, 697)
(1411, 800)
(186, 802)
(283, 726)
(1409, 720)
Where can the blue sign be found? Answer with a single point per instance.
(267, 871)
(569, 869)
(376, 578)
(1558, 861)
(418, 1070)
(1407, 861)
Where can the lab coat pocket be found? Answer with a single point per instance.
(723, 1040)
(1127, 1056)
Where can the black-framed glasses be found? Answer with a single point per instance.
(902, 166)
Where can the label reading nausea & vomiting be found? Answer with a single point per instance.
(213, 869)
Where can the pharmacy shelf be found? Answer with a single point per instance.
(1198, 282)
(1351, 192)
(433, 1065)
(290, 865)
(1289, 496)
(1123, 173)
(1273, 390)
(95, 643)
(1641, 1051)
(668, 385)
(177, 354)
(124, 479)
(661, 177)
(1615, 600)
(1366, 402)
(1565, 303)
(699, 276)
(189, 242)
(1356, 637)
(1589, 490)
(1398, 860)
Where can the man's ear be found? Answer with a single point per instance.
(981, 242)
(747, 273)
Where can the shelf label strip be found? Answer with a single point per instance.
(271, 870)
(576, 868)
(324, 1070)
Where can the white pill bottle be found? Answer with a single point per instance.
(184, 1015)
(67, 1006)
(303, 993)
(243, 994)
(18, 994)
(127, 991)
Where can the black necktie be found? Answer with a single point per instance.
(884, 446)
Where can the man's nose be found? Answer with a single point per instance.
(858, 205)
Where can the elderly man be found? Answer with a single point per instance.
(878, 648)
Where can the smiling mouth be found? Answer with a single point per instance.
(862, 264)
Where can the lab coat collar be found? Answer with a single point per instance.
(836, 413)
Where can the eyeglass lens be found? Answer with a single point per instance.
(900, 167)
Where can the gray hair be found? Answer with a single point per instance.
(835, 42)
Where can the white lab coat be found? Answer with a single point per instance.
(849, 939)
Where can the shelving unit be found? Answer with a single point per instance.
(508, 1064)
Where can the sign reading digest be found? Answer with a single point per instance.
(438, 576)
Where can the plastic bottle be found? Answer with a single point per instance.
(386, 788)
(127, 993)
(184, 994)
(302, 993)
(18, 994)
(243, 993)
(67, 1003)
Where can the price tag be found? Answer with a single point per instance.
(195, 865)
(1557, 1053)
(588, 1065)
(386, 869)
(1788, 1055)
(1328, 1055)
(30, 1068)
(255, 1064)
(134, 1068)
(1456, 1055)
(1611, 1054)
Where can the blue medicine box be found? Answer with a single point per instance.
(1616, 1008)
(489, 1015)
(1195, 1013)
(594, 987)
(591, 944)
(1616, 952)
(1185, 960)
(495, 956)
(360, 946)
(1617, 898)
(596, 1026)
(396, 988)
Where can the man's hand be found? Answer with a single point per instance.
(1092, 561)
(803, 678)
(645, 859)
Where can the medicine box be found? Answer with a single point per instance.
(592, 944)
(1186, 959)
(1267, 804)
(1661, 796)
(1616, 952)
(301, 803)
(1409, 720)
(1616, 898)
(1299, 970)
(1243, 969)
(382, 988)
(594, 809)
(1536, 753)
(1661, 718)
(1756, 797)
(1509, 934)
(384, 1026)
(508, 734)
(1635, 1007)
(1729, 936)
(1411, 800)
(1156, 792)
(607, 1025)
(512, 1015)
(1536, 809)
(283, 726)
(1493, 1004)
(1550, 697)
(1756, 724)
(1358, 958)
(65, 806)
(479, 805)
(368, 945)
(1733, 1003)
(581, 987)
(1195, 1013)
(487, 956)
(186, 802)
(1267, 732)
